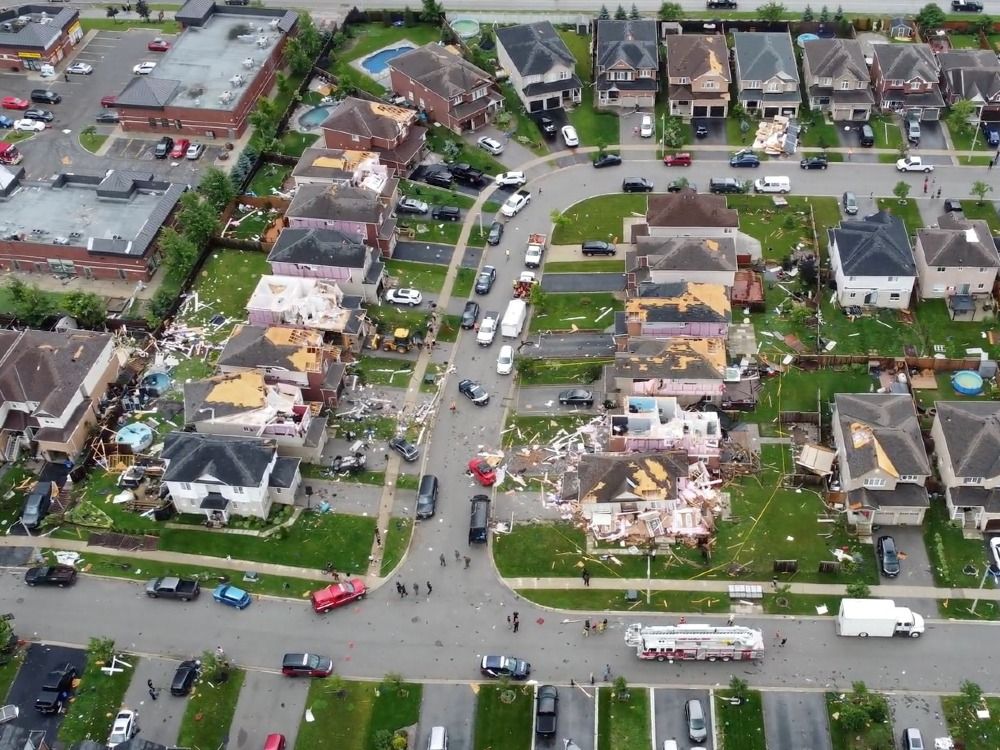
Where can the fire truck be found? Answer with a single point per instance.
(695, 642)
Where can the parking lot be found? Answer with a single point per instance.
(38, 662)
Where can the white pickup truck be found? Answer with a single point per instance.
(515, 203)
(487, 328)
(913, 164)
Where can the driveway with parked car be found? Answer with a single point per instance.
(452, 707)
(255, 717)
(671, 718)
(544, 399)
(38, 662)
(576, 718)
(159, 720)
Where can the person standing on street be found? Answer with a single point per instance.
(441, 560)
(467, 561)
(429, 589)
(586, 577)
(416, 589)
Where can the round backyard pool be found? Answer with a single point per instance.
(967, 382)
(465, 27)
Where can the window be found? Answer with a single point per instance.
(683, 80)
(708, 85)
(895, 82)
(480, 93)
(940, 269)
(980, 286)
(355, 138)
(874, 482)
(564, 75)
(909, 478)
(751, 84)
(825, 83)
(894, 296)
(645, 73)
(185, 486)
(456, 100)
(893, 278)
(237, 490)
(972, 480)
(845, 85)
(938, 289)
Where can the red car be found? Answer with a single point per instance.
(338, 595)
(677, 160)
(12, 102)
(180, 148)
(109, 100)
(158, 45)
(483, 472)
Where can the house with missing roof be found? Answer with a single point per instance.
(967, 448)
(837, 79)
(872, 261)
(387, 130)
(330, 255)
(681, 309)
(542, 70)
(222, 476)
(626, 63)
(958, 261)
(36, 35)
(767, 76)
(906, 80)
(698, 76)
(337, 166)
(882, 464)
(294, 356)
(658, 423)
(447, 87)
(51, 385)
(689, 369)
(244, 404)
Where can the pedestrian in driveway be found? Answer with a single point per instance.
(467, 561)
(517, 624)
(152, 694)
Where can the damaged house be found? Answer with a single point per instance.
(679, 309)
(967, 446)
(691, 370)
(658, 423)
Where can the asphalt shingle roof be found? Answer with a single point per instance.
(904, 62)
(535, 47)
(959, 242)
(319, 247)
(329, 202)
(632, 42)
(445, 73)
(892, 421)
(217, 459)
(764, 55)
(147, 91)
(875, 246)
(833, 58)
(604, 478)
(971, 431)
(694, 55)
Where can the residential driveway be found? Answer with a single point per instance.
(569, 345)
(423, 252)
(920, 711)
(931, 135)
(716, 132)
(38, 662)
(452, 707)
(159, 720)
(583, 282)
(576, 718)
(513, 152)
(544, 399)
(268, 704)
(847, 134)
(915, 565)
(628, 129)
(793, 721)
(668, 712)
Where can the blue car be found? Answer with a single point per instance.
(231, 596)
(991, 131)
(744, 159)
(6, 122)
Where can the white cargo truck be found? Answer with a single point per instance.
(513, 319)
(487, 328)
(879, 618)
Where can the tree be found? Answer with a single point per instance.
(962, 112)
(984, 24)
(142, 10)
(264, 120)
(160, 305)
(807, 13)
(559, 219)
(971, 695)
(216, 188)
(901, 191)
(31, 305)
(771, 12)
(197, 219)
(824, 15)
(620, 14)
(671, 12)
(839, 13)
(930, 17)
(179, 253)
(862, 590)
(310, 37)
(620, 688)
(88, 308)
(853, 717)
(409, 17)
(604, 15)
(112, 12)
(980, 189)
(393, 681)
(634, 13)
(431, 11)
(739, 687)
(297, 58)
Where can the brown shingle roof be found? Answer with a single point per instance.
(444, 72)
(694, 55)
(688, 208)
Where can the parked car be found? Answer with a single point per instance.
(231, 596)
(124, 727)
(405, 448)
(158, 45)
(446, 213)
(510, 179)
(144, 68)
(56, 689)
(274, 742)
(44, 96)
(163, 147)
(467, 174)
(6, 122)
(427, 496)
(570, 138)
(646, 127)
(484, 282)
(675, 186)
(913, 129)
(306, 665)
(496, 234)
(42, 115)
(850, 203)
(36, 505)
(474, 392)
(194, 151)
(29, 126)
(888, 557)
(576, 397)
(701, 131)
(439, 177)
(107, 118)
(814, 162)
(607, 160)
(952, 205)
(404, 296)
(695, 716)
(546, 710)
(505, 666)
(515, 203)
(913, 164)
(180, 148)
(80, 69)
(912, 739)
(482, 472)
(597, 247)
(490, 145)
(677, 160)
(50, 575)
(991, 132)
(637, 185)
(109, 101)
(720, 185)
(184, 677)
(14, 102)
(547, 125)
(505, 360)
(744, 159)
(470, 314)
(411, 206)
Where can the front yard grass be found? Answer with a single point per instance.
(427, 277)
(972, 732)
(9, 670)
(438, 140)
(887, 133)
(594, 128)
(622, 724)
(210, 707)
(820, 132)
(503, 725)
(950, 552)
(560, 371)
(779, 229)
(98, 698)
(986, 211)
(15, 484)
(961, 609)
(441, 232)
(314, 540)
(395, 544)
(598, 218)
(522, 429)
(465, 279)
(348, 715)
(439, 197)
(604, 600)
(876, 735)
(740, 726)
(590, 311)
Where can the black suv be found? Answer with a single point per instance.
(41, 96)
(184, 677)
(439, 177)
(637, 185)
(725, 185)
(888, 558)
(467, 174)
(484, 282)
(56, 689)
(470, 314)
(548, 126)
(446, 213)
(598, 247)
(496, 233)
(163, 147)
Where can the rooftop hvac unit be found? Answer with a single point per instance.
(225, 97)
(237, 80)
(249, 63)
(262, 41)
(275, 22)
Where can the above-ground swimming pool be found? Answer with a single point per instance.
(315, 116)
(137, 436)
(158, 382)
(967, 382)
(465, 27)
(379, 61)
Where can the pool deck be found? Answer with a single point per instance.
(383, 76)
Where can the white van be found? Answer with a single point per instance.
(438, 739)
(772, 185)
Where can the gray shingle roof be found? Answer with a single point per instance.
(903, 496)
(194, 12)
(34, 35)
(445, 73)
(764, 55)
(875, 246)
(633, 43)
(329, 202)
(959, 242)
(319, 247)
(683, 254)
(285, 470)
(971, 430)
(361, 117)
(904, 62)
(249, 346)
(689, 208)
(892, 419)
(971, 73)
(198, 407)
(148, 91)
(683, 359)
(833, 58)
(603, 478)
(217, 459)
(694, 55)
(535, 47)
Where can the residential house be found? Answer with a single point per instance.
(363, 212)
(542, 70)
(691, 370)
(837, 79)
(906, 77)
(51, 385)
(316, 304)
(873, 262)
(677, 260)
(243, 404)
(325, 166)
(658, 423)
(222, 476)
(882, 463)
(296, 356)
(331, 255)
(958, 261)
(902, 28)
(679, 309)
(626, 63)
(687, 213)
(967, 446)
(391, 132)
(972, 74)
(767, 77)
(447, 87)
(698, 76)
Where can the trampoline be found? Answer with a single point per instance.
(967, 382)
(136, 436)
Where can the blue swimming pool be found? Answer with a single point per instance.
(378, 62)
(314, 117)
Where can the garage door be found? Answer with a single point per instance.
(701, 111)
(899, 517)
(535, 105)
(771, 112)
(553, 102)
(717, 112)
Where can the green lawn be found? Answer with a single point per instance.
(594, 128)
(887, 132)
(12, 498)
(598, 218)
(368, 38)
(427, 277)
(226, 281)
(384, 371)
(92, 141)
(9, 669)
(504, 725)
(98, 697)
(348, 715)
(592, 311)
(820, 133)
(269, 176)
(560, 371)
(529, 430)
(293, 143)
(525, 129)
(210, 708)
(950, 552)
(311, 542)
(740, 726)
(968, 729)
(781, 229)
(806, 390)
(622, 724)
(396, 542)
(987, 212)
(875, 736)
(457, 150)
(961, 609)
(906, 210)
(604, 600)
(442, 232)
(963, 41)
(586, 266)
(465, 279)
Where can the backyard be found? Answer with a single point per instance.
(369, 37)
(564, 312)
